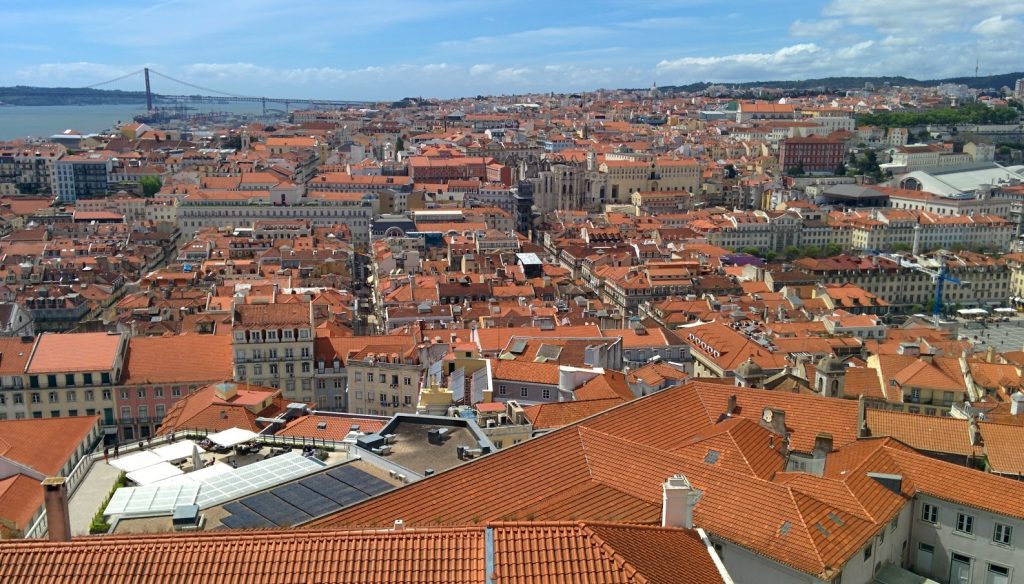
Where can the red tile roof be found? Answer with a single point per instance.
(524, 553)
(44, 444)
(159, 359)
(65, 353)
(611, 466)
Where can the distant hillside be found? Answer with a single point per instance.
(846, 83)
(23, 95)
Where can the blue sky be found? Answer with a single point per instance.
(448, 48)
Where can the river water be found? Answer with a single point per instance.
(43, 121)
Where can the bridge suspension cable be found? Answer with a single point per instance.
(109, 81)
(199, 87)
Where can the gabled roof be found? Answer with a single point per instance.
(44, 444)
(611, 466)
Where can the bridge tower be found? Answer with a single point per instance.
(149, 93)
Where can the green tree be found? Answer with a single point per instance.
(840, 170)
(792, 252)
(833, 249)
(399, 144)
(150, 185)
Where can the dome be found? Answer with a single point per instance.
(749, 369)
(831, 364)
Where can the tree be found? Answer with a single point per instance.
(840, 170)
(399, 144)
(792, 252)
(150, 185)
(833, 249)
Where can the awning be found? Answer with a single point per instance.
(154, 474)
(176, 450)
(231, 437)
(134, 462)
(198, 476)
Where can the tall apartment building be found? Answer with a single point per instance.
(273, 346)
(28, 168)
(82, 176)
(383, 382)
(811, 154)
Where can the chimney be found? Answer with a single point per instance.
(973, 432)
(862, 420)
(399, 525)
(678, 502)
(1017, 404)
(990, 356)
(732, 405)
(55, 498)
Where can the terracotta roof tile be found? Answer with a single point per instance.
(927, 433)
(44, 444)
(556, 415)
(524, 553)
(159, 359)
(64, 353)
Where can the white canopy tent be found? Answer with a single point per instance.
(137, 461)
(231, 437)
(1005, 310)
(154, 474)
(177, 450)
(972, 312)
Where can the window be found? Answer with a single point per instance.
(289, 368)
(51, 381)
(53, 397)
(87, 378)
(176, 391)
(142, 393)
(305, 366)
(964, 523)
(1002, 534)
(523, 392)
(69, 379)
(71, 396)
(257, 369)
(159, 412)
(273, 369)
(929, 513)
(107, 394)
(546, 394)
(158, 392)
(126, 413)
(997, 574)
(894, 523)
(867, 553)
(54, 413)
(105, 377)
(359, 376)
(19, 398)
(90, 395)
(289, 354)
(407, 381)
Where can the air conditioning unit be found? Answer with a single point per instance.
(390, 438)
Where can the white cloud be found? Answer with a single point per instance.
(481, 69)
(814, 28)
(77, 74)
(996, 26)
(785, 62)
(856, 51)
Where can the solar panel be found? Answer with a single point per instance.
(305, 499)
(518, 347)
(151, 499)
(325, 486)
(276, 510)
(365, 482)
(243, 518)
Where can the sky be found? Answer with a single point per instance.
(390, 49)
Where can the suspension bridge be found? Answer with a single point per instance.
(215, 96)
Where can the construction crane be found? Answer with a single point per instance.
(940, 277)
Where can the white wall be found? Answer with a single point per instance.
(978, 546)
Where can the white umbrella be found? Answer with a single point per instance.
(197, 460)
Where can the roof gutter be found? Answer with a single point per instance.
(489, 555)
(726, 578)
